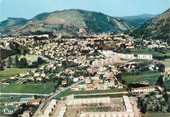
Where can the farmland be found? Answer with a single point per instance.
(150, 76)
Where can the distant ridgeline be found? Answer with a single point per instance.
(71, 22)
(157, 28)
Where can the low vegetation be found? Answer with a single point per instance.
(150, 76)
(153, 103)
(28, 88)
(8, 72)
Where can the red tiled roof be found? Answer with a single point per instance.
(89, 86)
(34, 100)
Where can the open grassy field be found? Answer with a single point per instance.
(27, 88)
(8, 72)
(141, 76)
(166, 62)
(156, 114)
(167, 84)
(142, 51)
(149, 51)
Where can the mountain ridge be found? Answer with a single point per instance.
(157, 28)
(70, 21)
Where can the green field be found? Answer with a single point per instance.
(142, 51)
(149, 51)
(142, 76)
(27, 88)
(8, 72)
(167, 84)
(166, 62)
(156, 114)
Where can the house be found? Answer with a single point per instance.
(75, 79)
(120, 86)
(22, 74)
(43, 74)
(30, 78)
(111, 82)
(34, 101)
(89, 87)
(101, 81)
(88, 81)
(38, 78)
(36, 74)
(140, 90)
(64, 82)
(75, 87)
(25, 100)
(102, 68)
(12, 77)
(90, 70)
(67, 70)
(96, 83)
(81, 77)
(114, 69)
(96, 77)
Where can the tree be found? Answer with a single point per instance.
(1, 65)
(160, 81)
(119, 77)
(23, 63)
(123, 81)
(161, 67)
(144, 108)
(10, 61)
(16, 61)
(40, 61)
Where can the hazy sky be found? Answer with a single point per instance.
(30, 8)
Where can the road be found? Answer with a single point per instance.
(45, 102)
(29, 94)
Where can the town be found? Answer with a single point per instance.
(84, 76)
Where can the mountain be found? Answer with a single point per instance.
(134, 21)
(157, 28)
(10, 23)
(71, 21)
(13, 22)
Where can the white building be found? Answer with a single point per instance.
(143, 89)
(107, 114)
(127, 113)
(135, 56)
(144, 56)
(62, 111)
(49, 108)
(88, 100)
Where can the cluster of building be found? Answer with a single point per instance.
(146, 89)
(74, 60)
(155, 44)
(117, 107)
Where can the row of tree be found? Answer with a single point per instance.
(22, 63)
(151, 102)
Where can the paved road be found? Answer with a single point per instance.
(29, 94)
(46, 101)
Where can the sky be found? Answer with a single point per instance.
(30, 8)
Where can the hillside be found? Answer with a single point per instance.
(134, 21)
(11, 23)
(68, 22)
(157, 28)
